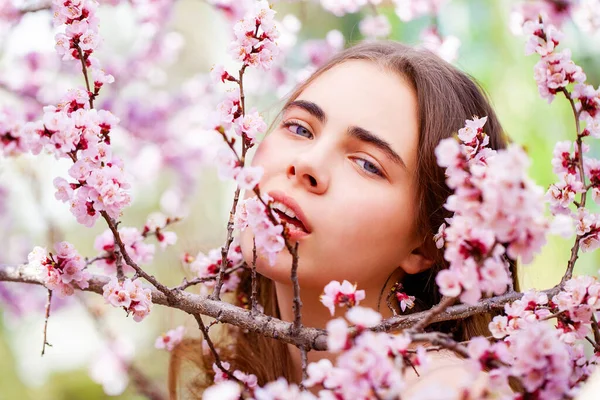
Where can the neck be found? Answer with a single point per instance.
(316, 315)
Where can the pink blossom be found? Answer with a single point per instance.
(13, 138)
(448, 282)
(337, 335)
(280, 390)
(224, 390)
(344, 294)
(317, 372)
(62, 270)
(248, 177)
(206, 265)
(251, 125)
(554, 72)
(171, 339)
(219, 74)
(373, 27)
(542, 38)
(130, 295)
(255, 37)
(363, 317)
(405, 301)
(227, 164)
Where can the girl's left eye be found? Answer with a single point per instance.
(369, 167)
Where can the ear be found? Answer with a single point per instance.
(416, 262)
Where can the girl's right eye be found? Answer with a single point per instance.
(297, 129)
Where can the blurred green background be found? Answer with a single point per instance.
(489, 52)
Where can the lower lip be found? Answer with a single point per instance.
(295, 233)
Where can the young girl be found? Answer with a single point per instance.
(352, 158)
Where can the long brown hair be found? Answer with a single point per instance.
(446, 97)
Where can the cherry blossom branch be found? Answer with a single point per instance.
(225, 249)
(460, 311)
(306, 337)
(579, 148)
(48, 304)
(112, 225)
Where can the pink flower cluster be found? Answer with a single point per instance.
(371, 365)
(255, 35)
(555, 70)
(169, 340)
(208, 265)
(229, 167)
(341, 294)
(131, 295)
(550, 362)
(139, 251)
(81, 38)
(498, 214)
(251, 213)
(12, 141)
(100, 185)
(61, 270)
(535, 355)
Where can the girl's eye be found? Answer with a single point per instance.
(369, 167)
(298, 129)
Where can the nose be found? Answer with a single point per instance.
(307, 174)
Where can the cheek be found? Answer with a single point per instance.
(376, 229)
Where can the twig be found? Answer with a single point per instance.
(186, 284)
(254, 293)
(579, 148)
(85, 74)
(139, 271)
(90, 261)
(119, 264)
(48, 304)
(433, 312)
(297, 305)
(595, 330)
(212, 347)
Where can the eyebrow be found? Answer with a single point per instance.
(354, 131)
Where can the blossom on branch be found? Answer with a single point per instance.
(131, 295)
(255, 35)
(344, 294)
(498, 214)
(61, 270)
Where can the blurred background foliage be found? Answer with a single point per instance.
(489, 52)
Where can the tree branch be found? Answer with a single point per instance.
(305, 337)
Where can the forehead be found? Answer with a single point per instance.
(364, 94)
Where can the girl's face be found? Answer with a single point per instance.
(346, 152)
